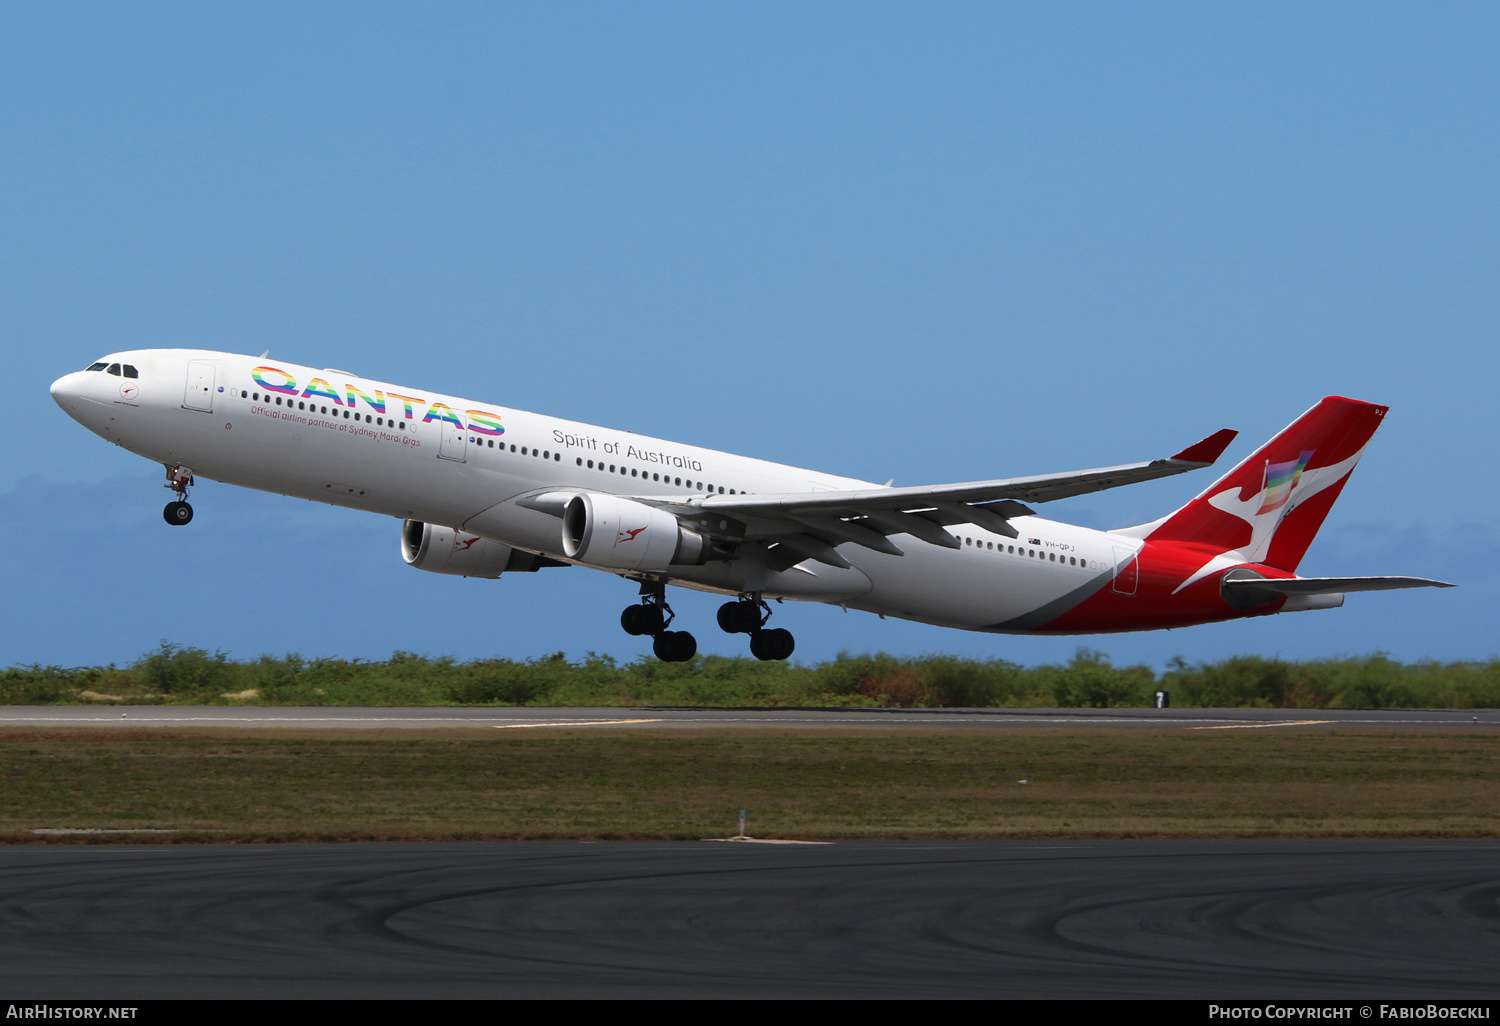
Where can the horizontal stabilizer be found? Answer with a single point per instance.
(1331, 585)
(1244, 588)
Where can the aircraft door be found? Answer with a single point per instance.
(1127, 571)
(452, 441)
(199, 393)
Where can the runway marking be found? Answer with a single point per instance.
(576, 723)
(1251, 726)
(147, 718)
(761, 840)
(210, 720)
(62, 831)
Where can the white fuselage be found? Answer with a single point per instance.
(334, 437)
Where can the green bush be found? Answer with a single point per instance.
(39, 685)
(1240, 681)
(1089, 680)
(178, 671)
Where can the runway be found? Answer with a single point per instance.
(1122, 919)
(648, 718)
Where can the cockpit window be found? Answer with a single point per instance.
(130, 372)
(114, 369)
(98, 366)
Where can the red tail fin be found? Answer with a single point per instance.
(1270, 506)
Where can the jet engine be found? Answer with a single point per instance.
(622, 534)
(445, 550)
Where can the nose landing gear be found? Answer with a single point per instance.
(652, 617)
(178, 512)
(749, 616)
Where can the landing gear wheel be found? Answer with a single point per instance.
(740, 617)
(177, 513)
(674, 646)
(773, 644)
(640, 620)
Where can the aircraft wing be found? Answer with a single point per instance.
(811, 524)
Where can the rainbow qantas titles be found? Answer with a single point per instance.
(479, 421)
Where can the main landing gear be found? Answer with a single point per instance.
(652, 617)
(749, 616)
(178, 512)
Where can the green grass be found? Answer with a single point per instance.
(176, 675)
(217, 784)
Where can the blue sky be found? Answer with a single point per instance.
(922, 242)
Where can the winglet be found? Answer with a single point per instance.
(1208, 450)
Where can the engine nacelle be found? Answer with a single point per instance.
(444, 550)
(622, 534)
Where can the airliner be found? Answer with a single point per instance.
(483, 490)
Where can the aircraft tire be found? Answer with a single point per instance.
(177, 513)
(739, 618)
(650, 619)
(771, 645)
(674, 646)
(638, 620)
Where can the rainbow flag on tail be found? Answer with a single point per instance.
(1281, 478)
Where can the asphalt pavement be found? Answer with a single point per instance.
(1211, 920)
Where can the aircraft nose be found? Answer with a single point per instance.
(66, 390)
